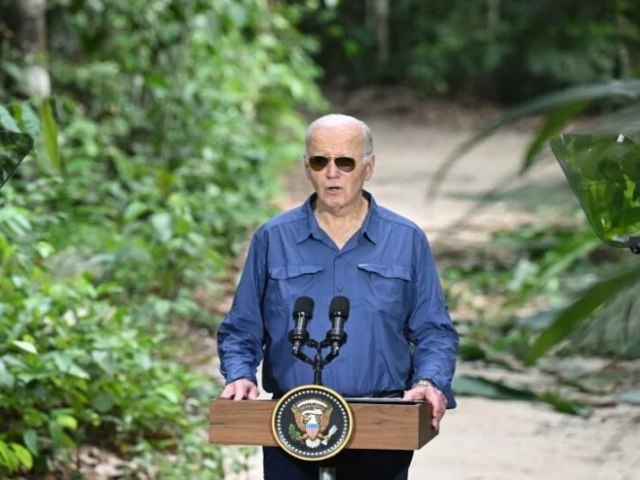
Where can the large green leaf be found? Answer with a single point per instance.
(552, 125)
(573, 316)
(14, 147)
(482, 387)
(575, 96)
(604, 173)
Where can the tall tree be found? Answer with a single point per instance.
(378, 21)
(29, 26)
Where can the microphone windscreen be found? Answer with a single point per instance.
(304, 304)
(339, 305)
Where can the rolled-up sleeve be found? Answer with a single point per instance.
(240, 335)
(430, 327)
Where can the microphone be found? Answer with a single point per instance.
(302, 313)
(338, 314)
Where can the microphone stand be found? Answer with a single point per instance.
(335, 338)
(318, 362)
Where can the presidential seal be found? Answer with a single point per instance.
(312, 422)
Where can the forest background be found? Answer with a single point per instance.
(162, 129)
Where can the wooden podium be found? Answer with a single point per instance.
(388, 424)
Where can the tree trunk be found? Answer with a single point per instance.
(30, 28)
(378, 20)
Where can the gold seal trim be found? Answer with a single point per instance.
(323, 391)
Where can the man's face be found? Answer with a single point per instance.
(336, 188)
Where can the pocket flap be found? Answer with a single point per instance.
(387, 271)
(292, 271)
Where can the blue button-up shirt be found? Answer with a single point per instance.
(399, 329)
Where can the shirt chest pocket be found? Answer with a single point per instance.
(293, 281)
(387, 282)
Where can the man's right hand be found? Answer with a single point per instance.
(240, 389)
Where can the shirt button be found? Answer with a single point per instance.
(340, 288)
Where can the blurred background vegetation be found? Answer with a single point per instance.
(162, 128)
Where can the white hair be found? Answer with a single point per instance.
(338, 119)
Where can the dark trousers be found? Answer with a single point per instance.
(348, 464)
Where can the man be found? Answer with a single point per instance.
(401, 341)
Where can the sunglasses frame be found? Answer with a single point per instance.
(342, 162)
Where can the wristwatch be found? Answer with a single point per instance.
(424, 382)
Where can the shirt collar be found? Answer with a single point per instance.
(370, 226)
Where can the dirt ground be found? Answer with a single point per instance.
(484, 439)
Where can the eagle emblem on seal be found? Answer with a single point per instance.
(312, 418)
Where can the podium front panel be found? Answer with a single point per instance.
(378, 424)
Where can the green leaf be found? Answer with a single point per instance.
(471, 351)
(24, 456)
(162, 224)
(30, 438)
(7, 457)
(135, 210)
(27, 118)
(56, 433)
(565, 405)
(546, 103)
(67, 421)
(549, 128)
(170, 393)
(103, 359)
(6, 379)
(603, 171)
(13, 148)
(76, 371)
(568, 320)
(7, 122)
(26, 346)
(102, 402)
(481, 387)
(50, 134)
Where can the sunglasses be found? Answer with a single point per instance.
(319, 162)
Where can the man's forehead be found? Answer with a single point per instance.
(336, 134)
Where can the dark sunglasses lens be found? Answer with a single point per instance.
(346, 164)
(318, 162)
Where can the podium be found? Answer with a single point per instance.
(378, 423)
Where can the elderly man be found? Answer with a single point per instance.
(341, 242)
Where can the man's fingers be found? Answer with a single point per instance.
(253, 392)
(438, 413)
(240, 390)
(412, 395)
(434, 397)
(228, 391)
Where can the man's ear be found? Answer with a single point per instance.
(370, 167)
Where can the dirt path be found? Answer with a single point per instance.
(484, 439)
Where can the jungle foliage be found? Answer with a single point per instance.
(553, 60)
(497, 50)
(157, 152)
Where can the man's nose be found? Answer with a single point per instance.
(331, 170)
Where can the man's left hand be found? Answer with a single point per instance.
(429, 393)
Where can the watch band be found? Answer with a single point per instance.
(424, 382)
